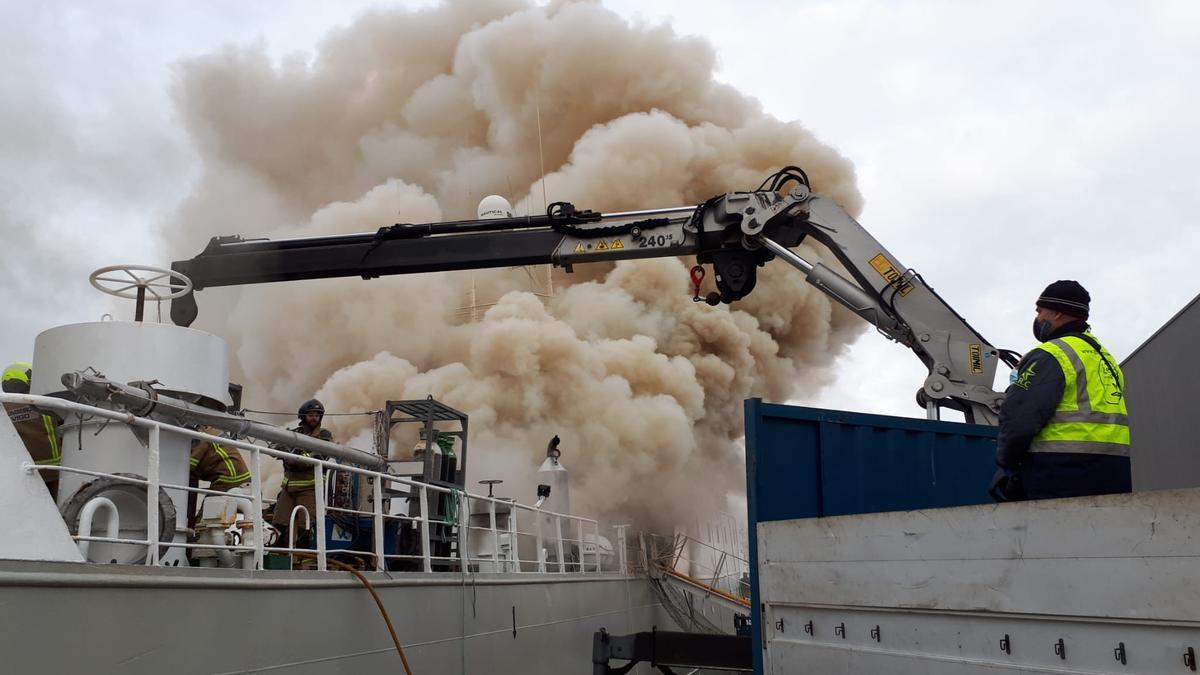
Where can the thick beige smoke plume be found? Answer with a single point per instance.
(412, 116)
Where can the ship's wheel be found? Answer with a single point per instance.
(135, 282)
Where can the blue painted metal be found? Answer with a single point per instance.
(357, 533)
(808, 463)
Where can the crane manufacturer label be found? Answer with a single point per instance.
(890, 274)
(975, 358)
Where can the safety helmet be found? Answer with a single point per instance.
(311, 405)
(16, 378)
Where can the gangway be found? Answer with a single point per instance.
(702, 596)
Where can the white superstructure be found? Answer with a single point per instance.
(185, 363)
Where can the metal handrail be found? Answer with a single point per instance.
(710, 577)
(513, 561)
(299, 508)
(684, 538)
(703, 585)
(88, 512)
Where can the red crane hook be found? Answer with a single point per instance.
(697, 278)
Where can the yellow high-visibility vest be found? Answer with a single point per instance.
(1091, 416)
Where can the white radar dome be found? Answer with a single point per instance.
(494, 206)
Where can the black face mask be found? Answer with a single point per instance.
(1042, 329)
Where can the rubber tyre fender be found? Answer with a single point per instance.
(100, 486)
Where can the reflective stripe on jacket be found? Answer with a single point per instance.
(1090, 417)
(220, 466)
(50, 427)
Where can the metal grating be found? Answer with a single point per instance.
(421, 410)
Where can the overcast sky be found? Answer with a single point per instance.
(999, 146)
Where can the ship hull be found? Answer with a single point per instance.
(70, 617)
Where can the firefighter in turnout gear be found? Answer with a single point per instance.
(38, 430)
(299, 484)
(1064, 430)
(223, 467)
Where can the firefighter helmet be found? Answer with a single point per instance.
(311, 405)
(16, 378)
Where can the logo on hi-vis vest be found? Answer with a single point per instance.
(1024, 379)
(1112, 388)
(889, 272)
(975, 358)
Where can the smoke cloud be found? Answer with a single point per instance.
(78, 147)
(413, 116)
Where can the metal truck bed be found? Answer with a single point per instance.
(864, 564)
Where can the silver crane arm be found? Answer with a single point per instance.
(961, 363)
(894, 299)
(736, 233)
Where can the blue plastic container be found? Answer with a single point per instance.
(357, 533)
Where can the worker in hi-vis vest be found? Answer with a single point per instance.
(1063, 426)
(38, 430)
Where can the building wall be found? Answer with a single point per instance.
(1162, 379)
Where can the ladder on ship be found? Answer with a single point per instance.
(703, 588)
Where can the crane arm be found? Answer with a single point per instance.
(961, 363)
(735, 233)
(563, 237)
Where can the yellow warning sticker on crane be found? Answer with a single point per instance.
(617, 244)
(579, 247)
(892, 275)
(602, 246)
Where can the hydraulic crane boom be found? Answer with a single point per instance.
(736, 233)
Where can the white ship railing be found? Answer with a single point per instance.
(567, 529)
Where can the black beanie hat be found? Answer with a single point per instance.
(1067, 297)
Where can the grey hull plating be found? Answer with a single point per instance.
(75, 618)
